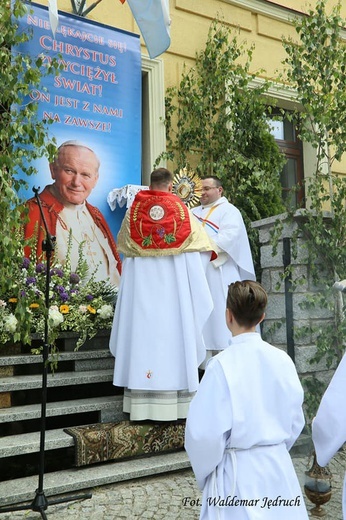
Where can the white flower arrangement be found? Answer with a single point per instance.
(77, 303)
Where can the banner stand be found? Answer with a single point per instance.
(40, 502)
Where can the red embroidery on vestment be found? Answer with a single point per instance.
(159, 220)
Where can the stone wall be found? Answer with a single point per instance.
(284, 317)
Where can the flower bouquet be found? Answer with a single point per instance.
(77, 302)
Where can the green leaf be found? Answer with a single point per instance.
(169, 238)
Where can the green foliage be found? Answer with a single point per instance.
(315, 68)
(326, 231)
(23, 136)
(313, 390)
(216, 125)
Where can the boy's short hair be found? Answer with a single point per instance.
(247, 300)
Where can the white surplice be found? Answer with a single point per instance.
(224, 224)
(156, 339)
(329, 425)
(246, 415)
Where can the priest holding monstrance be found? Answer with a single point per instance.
(163, 303)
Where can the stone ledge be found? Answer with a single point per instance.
(30, 442)
(93, 364)
(33, 411)
(78, 479)
(24, 359)
(28, 382)
(67, 481)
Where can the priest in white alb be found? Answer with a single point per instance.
(163, 304)
(224, 224)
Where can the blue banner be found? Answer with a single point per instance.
(95, 99)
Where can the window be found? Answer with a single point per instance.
(293, 173)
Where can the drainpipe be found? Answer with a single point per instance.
(286, 257)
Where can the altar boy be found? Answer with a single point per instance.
(242, 422)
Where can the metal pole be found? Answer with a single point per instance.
(286, 257)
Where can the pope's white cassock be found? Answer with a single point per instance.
(329, 425)
(244, 418)
(224, 224)
(162, 307)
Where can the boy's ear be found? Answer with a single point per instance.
(229, 316)
(262, 318)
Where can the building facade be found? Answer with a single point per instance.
(260, 22)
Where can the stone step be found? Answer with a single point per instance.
(58, 408)
(25, 359)
(30, 442)
(77, 479)
(83, 478)
(28, 382)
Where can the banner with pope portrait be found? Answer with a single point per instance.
(95, 99)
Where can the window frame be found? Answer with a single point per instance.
(292, 150)
(153, 115)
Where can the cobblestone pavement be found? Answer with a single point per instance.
(162, 498)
